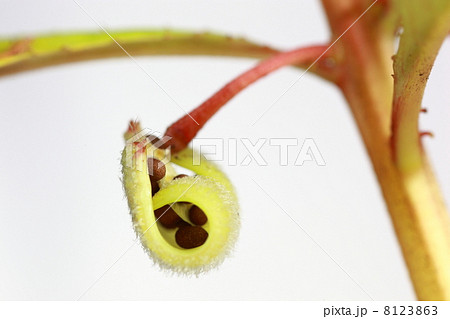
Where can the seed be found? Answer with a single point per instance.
(190, 236)
(156, 169)
(167, 216)
(180, 176)
(155, 187)
(161, 144)
(197, 216)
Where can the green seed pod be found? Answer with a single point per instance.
(210, 190)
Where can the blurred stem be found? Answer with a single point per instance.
(24, 54)
(419, 216)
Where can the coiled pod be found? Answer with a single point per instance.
(187, 224)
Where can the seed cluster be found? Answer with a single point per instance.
(187, 235)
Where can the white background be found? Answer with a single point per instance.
(221, 309)
(63, 217)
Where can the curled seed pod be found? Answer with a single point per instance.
(191, 236)
(222, 226)
(197, 216)
(210, 190)
(156, 169)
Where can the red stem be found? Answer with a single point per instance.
(185, 129)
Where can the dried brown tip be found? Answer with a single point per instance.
(167, 217)
(156, 169)
(191, 236)
(134, 127)
(197, 216)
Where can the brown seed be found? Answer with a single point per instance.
(157, 142)
(155, 187)
(167, 216)
(180, 176)
(190, 236)
(156, 169)
(197, 216)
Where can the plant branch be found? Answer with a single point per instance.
(185, 129)
(30, 53)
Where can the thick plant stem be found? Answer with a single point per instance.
(418, 214)
(415, 205)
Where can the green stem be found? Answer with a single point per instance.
(419, 45)
(414, 201)
(24, 54)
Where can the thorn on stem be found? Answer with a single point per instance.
(426, 133)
